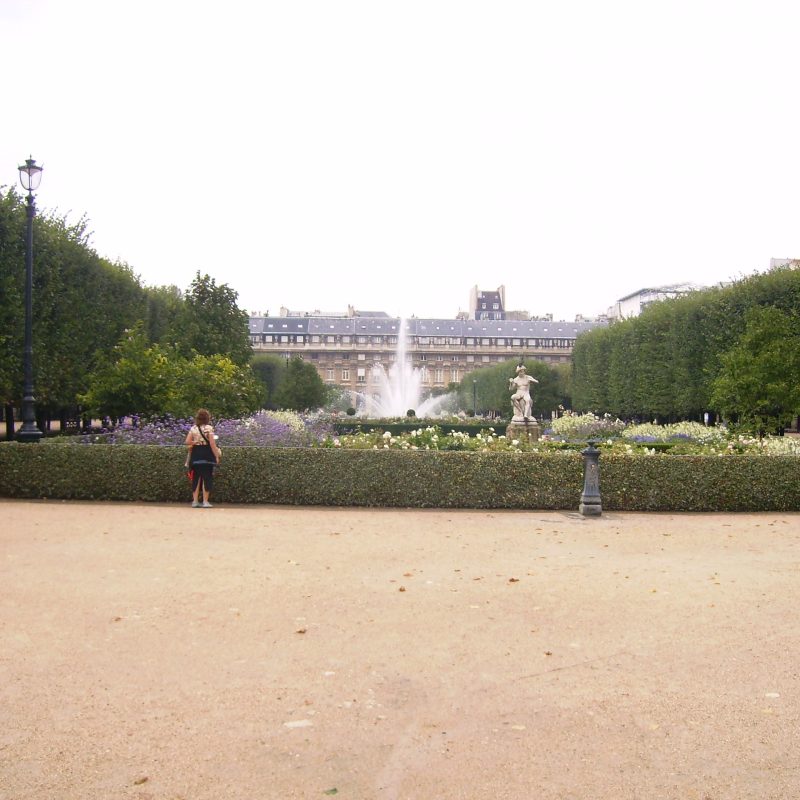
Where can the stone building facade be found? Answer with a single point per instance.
(346, 350)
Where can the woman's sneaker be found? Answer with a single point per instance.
(207, 505)
(195, 504)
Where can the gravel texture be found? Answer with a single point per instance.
(151, 651)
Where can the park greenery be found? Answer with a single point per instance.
(144, 358)
(337, 476)
(567, 434)
(106, 346)
(733, 351)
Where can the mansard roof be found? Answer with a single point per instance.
(375, 326)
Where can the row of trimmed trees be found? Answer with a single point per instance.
(106, 345)
(732, 350)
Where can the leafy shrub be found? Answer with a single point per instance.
(422, 478)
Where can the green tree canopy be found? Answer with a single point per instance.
(759, 382)
(147, 380)
(301, 387)
(491, 390)
(138, 378)
(665, 362)
(216, 383)
(211, 323)
(269, 370)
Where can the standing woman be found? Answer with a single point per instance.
(204, 455)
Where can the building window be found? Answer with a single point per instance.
(361, 375)
(439, 357)
(485, 359)
(362, 356)
(423, 357)
(439, 375)
(470, 358)
(454, 375)
(315, 339)
(501, 342)
(330, 339)
(471, 342)
(345, 340)
(363, 339)
(345, 374)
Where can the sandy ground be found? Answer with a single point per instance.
(262, 652)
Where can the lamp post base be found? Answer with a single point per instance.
(28, 433)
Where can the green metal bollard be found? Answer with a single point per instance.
(590, 505)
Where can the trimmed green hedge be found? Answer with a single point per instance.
(421, 479)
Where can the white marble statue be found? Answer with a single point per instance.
(521, 397)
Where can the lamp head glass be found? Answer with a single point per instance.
(30, 175)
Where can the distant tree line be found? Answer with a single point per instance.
(486, 390)
(732, 351)
(106, 345)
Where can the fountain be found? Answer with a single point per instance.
(400, 388)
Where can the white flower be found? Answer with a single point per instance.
(387, 435)
(515, 442)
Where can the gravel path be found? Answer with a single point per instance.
(162, 652)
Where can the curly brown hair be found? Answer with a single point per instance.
(202, 417)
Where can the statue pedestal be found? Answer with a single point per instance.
(524, 430)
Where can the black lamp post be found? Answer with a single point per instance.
(30, 176)
(474, 398)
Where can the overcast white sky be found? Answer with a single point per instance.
(392, 155)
